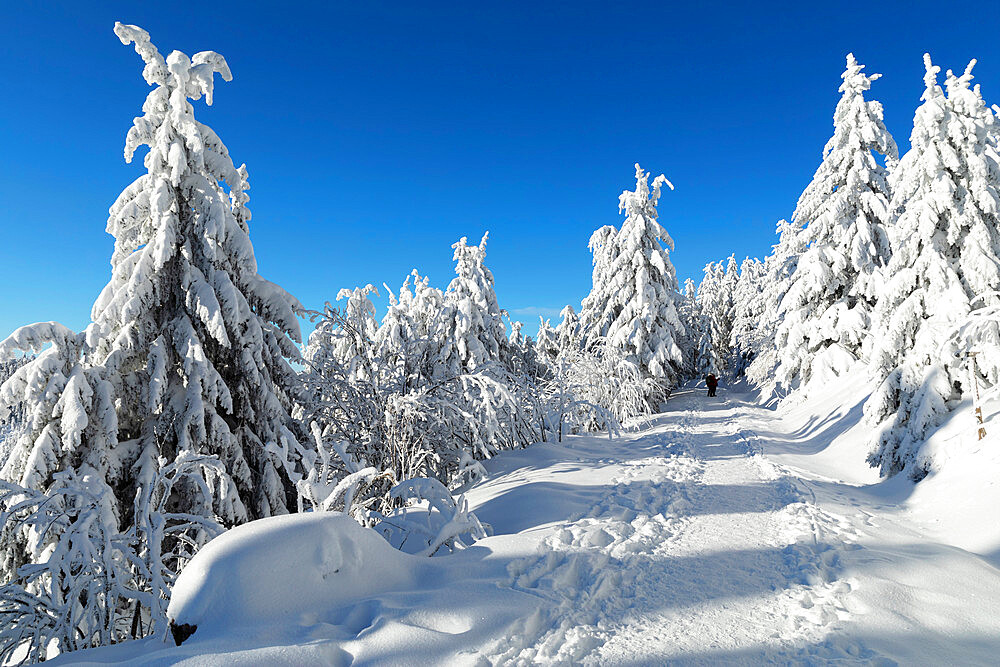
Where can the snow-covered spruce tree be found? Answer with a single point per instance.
(70, 422)
(354, 343)
(13, 421)
(568, 330)
(690, 315)
(633, 302)
(187, 349)
(473, 331)
(546, 342)
(946, 251)
(476, 352)
(726, 311)
(843, 212)
(195, 341)
(715, 306)
(779, 267)
(748, 307)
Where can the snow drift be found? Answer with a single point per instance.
(286, 567)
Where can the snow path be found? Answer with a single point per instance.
(705, 538)
(700, 545)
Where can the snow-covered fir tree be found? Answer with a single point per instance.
(748, 307)
(727, 309)
(354, 341)
(843, 211)
(11, 422)
(946, 252)
(547, 341)
(171, 412)
(715, 306)
(188, 347)
(779, 267)
(633, 302)
(473, 330)
(409, 336)
(690, 316)
(568, 331)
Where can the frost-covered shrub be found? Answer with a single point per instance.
(429, 518)
(396, 419)
(76, 580)
(435, 386)
(595, 389)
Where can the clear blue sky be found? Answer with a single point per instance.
(378, 133)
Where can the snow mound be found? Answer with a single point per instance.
(286, 567)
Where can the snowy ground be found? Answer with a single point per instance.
(722, 533)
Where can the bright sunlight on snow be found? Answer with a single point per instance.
(794, 461)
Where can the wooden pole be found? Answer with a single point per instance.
(975, 383)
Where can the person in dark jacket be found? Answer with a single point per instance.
(712, 382)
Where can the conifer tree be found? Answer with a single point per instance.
(473, 330)
(547, 341)
(568, 330)
(187, 352)
(945, 263)
(748, 308)
(779, 267)
(690, 316)
(11, 422)
(715, 304)
(409, 337)
(843, 212)
(634, 299)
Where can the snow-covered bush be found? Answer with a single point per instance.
(430, 518)
(399, 420)
(596, 389)
(70, 583)
(843, 212)
(278, 569)
(945, 264)
(436, 386)
(76, 580)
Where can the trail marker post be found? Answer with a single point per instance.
(971, 356)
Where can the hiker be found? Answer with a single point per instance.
(712, 383)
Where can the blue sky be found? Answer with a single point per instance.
(378, 133)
